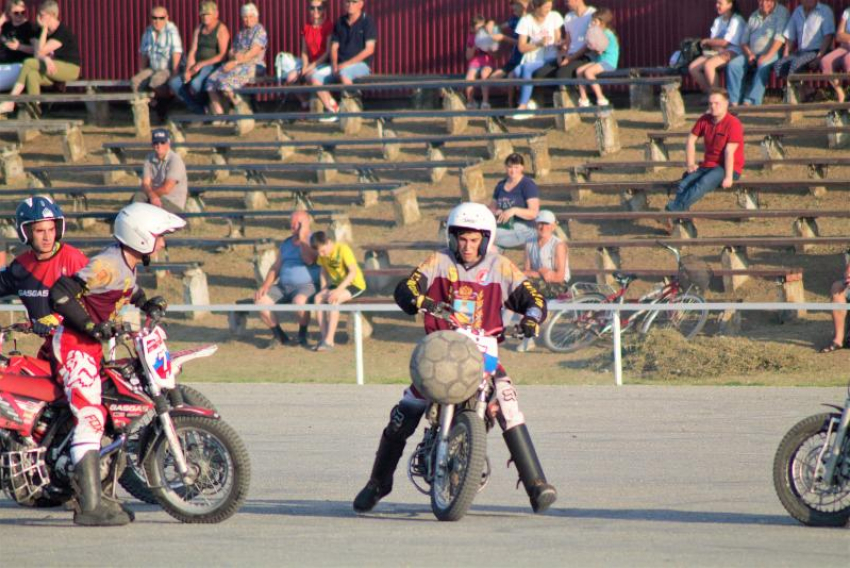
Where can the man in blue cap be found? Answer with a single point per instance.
(164, 182)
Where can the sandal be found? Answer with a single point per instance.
(833, 346)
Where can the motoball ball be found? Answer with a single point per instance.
(446, 367)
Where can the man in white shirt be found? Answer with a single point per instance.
(573, 53)
(808, 37)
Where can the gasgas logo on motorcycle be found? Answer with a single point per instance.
(128, 408)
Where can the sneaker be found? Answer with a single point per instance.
(330, 118)
(369, 497)
(322, 346)
(485, 106)
(521, 116)
(584, 103)
(532, 105)
(603, 102)
(528, 344)
(471, 105)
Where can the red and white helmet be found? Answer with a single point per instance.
(139, 224)
(472, 217)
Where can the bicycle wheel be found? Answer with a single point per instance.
(571, 330)
(687, 322)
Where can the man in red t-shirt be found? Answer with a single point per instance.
(723, 161)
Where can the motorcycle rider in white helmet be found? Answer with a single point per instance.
(88, 301)
(472, 277)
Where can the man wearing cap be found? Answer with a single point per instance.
(164, 182)
(547, 262)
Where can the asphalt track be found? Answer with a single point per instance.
(647, 476)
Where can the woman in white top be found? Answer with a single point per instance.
(721, 47)
(839, 59)
(539, 34)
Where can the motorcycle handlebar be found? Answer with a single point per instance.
(447, 313)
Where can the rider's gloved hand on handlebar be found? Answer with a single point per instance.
(425, 303)
(530, 322)
(42, 329)
(156, 305)
(101, 331)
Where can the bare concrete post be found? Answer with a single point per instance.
(818, 172)
(838, 119)
(656, 151)
(341, 228)
(284, 151)
(607, 133)
(142, 116)
(793, 292)
(734, 258)
(391, 151)
(729, 323)
(405, 206)
(684, 229)
(12, 166)
(193, 205)
(256, 199)
(569, 120)
(772, 149)
(634, 200)
(748, 198)
(499, 148)
(452, 101)
(245, 125)
(672, 106)
(435, 154)
(263, 261)
(326, 156)
(472, 184)
(177, 139)
(219, 158)
(541, 163)
(112, 177)
(352, 125)
(792, 97)
(579, 175)
(195, 291)
(641, 97)
(805, 227)
(607, 259)
(73, 145)
(377, 260)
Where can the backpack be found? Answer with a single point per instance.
(689, 50)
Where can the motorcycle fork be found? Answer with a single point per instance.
(828, 467)
(447, 412)
(170, 432)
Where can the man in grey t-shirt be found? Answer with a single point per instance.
(164, 182)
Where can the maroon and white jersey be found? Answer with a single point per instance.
(478, 292)
(109, 283)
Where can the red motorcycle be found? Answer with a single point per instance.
(185, 458)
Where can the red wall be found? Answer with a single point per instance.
(415, 36)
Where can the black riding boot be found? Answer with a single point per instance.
(92, 511)
(541, 494)
(381, 482)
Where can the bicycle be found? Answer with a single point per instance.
(571, 330)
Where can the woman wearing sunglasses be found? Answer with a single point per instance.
(16, 35)
(315, 45)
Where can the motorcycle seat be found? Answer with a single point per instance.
(39, 388)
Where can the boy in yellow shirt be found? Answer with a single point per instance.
(342, 280)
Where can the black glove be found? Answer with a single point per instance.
(530, 327)
(102, 331)
(426, 304)
(156, 305)
(42, 329)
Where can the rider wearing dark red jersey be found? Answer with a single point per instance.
(89, 302)
(477, 281)
(40, 224)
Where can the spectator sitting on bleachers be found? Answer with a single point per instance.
(352, 47)
(292, 279)
(246, 54)
(516, 202)
(159, 58)
(761, 42)
(17, 33)
(723, 160)
(808, 37)
(539, 34)
(315, 46)
(56, 56)
(573, 46)
(604, 56)
(839, 59)
(718, 49)
(164, 181)
(510, 37)
(480, 62)
(839, 292)
(209, 47)
(342, 280)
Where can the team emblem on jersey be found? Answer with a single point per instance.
(453, 274)
(482, 275)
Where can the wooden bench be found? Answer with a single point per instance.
(73, 146)
(634, 193)
(771, 144)
(836, 113)
(498, 142)
(138, 102)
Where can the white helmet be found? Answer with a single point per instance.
(139, 224)
(475, 217)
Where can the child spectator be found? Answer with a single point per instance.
(342, 280)
(479, 48)
(315, 46)
(721, 47)
(606, 60)
(510, 36)
(539, 35)
(839, 59)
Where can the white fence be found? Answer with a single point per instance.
(357, 311)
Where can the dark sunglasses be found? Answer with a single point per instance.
(159, 143)
(159, 17)
(22, 13)
(317, 8)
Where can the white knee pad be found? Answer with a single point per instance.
(508, 403)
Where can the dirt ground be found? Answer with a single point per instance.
(766, 353)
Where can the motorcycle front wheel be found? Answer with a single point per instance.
(453, 490)
(803, 494)
(134, 480)
(218, 464)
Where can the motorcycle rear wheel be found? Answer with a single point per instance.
(452, 494)
(134, 480)
(218, 459)
(806, 498)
